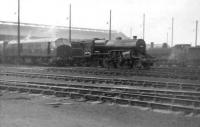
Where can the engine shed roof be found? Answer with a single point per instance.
(37, 40)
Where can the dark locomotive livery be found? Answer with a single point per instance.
(117, 53)
(120, 53)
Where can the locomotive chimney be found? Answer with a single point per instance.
(134, 37)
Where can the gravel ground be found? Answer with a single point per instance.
(23, 110)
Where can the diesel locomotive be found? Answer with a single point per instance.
(117, 53)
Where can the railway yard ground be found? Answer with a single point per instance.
(32, 96)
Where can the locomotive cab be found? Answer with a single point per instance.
(82, 48)
(82, 51)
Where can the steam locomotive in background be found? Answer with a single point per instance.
(179, 55)
(117, 53)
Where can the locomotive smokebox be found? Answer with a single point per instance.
(134, 37)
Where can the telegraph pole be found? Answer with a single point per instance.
(70, 23)
(196, 36)
(172, 32)
(167, 37)
(110, 26)
(143, 25)
(18, 31)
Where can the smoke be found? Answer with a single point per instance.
(52, 32)
(28, 37)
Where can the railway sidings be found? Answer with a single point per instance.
(86, 86)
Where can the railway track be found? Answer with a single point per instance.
(147, 73)
(181, 97)
(148, 89)
(118, 95)
(154, 72)
(119, 81)
(178, 70)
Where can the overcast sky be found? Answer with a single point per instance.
(127, 16)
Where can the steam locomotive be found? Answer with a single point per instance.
(179, 55)
(117, 53)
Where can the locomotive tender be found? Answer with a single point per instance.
(89, 52)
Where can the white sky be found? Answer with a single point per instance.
(126, 15)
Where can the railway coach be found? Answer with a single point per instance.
(47, 50)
